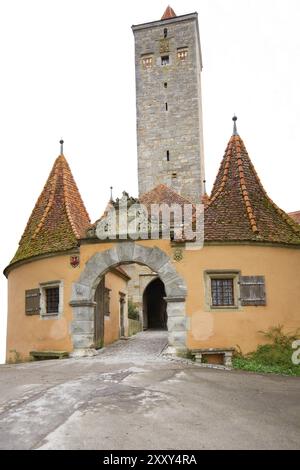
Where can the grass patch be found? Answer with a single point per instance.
(273, 358)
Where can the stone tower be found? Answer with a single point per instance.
(168, 100)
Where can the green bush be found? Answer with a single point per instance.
(275, 357)
(133, 312)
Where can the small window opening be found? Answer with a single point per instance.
(168, 156)
(174, 176)
(165, 85)
(182, 53)
(165, 32)
(147, 61)
(165, 60)
(166, 106)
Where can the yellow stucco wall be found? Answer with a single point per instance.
(221, 328)
(224, 328)
(26, 333)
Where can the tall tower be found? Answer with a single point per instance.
(169, 106)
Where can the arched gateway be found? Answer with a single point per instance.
(83, 291)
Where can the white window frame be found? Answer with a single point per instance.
(43, 302)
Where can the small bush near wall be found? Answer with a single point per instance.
(275, 357)
(134, 326)
(133, 311)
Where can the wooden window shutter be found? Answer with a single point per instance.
(32, 302)
(252, 289)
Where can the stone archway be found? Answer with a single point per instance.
(82, 298)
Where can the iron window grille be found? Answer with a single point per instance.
(222, 292)
(52, 300)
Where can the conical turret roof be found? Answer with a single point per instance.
(239, 208)
(59, 218)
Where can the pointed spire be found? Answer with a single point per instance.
(239, 208)
(169, 13)
(61, 147)
(59, 218)
(235, 132)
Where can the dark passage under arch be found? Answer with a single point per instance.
(155, 306)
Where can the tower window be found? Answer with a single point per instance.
(165, 32)
(147, 61)
(174, 176)
(166, 106)
(182, 53)
(168, 156)
(165, 60)
(165, 85)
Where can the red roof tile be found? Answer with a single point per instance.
(162, 194)
(169, 13)
(59, 217)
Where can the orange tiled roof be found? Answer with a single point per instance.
(239, 207)
(59, 217)
(162, 194)
(295, 216)
(169, 13)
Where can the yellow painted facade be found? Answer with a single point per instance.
(27, 333)
(206, 327)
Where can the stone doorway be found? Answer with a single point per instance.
(83, 292)
(155, 306)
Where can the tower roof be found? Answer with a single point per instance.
(162, 194)
(239, 208)
(59, 217)
(169, 13)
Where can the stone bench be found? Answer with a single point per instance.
(224, 353)
(40, 355)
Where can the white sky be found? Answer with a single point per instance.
(67, 70)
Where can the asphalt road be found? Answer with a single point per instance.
(130, 397)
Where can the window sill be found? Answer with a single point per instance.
(224, 307)
(49, 316)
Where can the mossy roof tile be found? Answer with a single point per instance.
(59, 218)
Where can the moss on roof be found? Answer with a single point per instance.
(59, 218)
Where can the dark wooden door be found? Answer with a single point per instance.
(99, 315)
(122, 313)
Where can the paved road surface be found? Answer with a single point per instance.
(129, 397)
